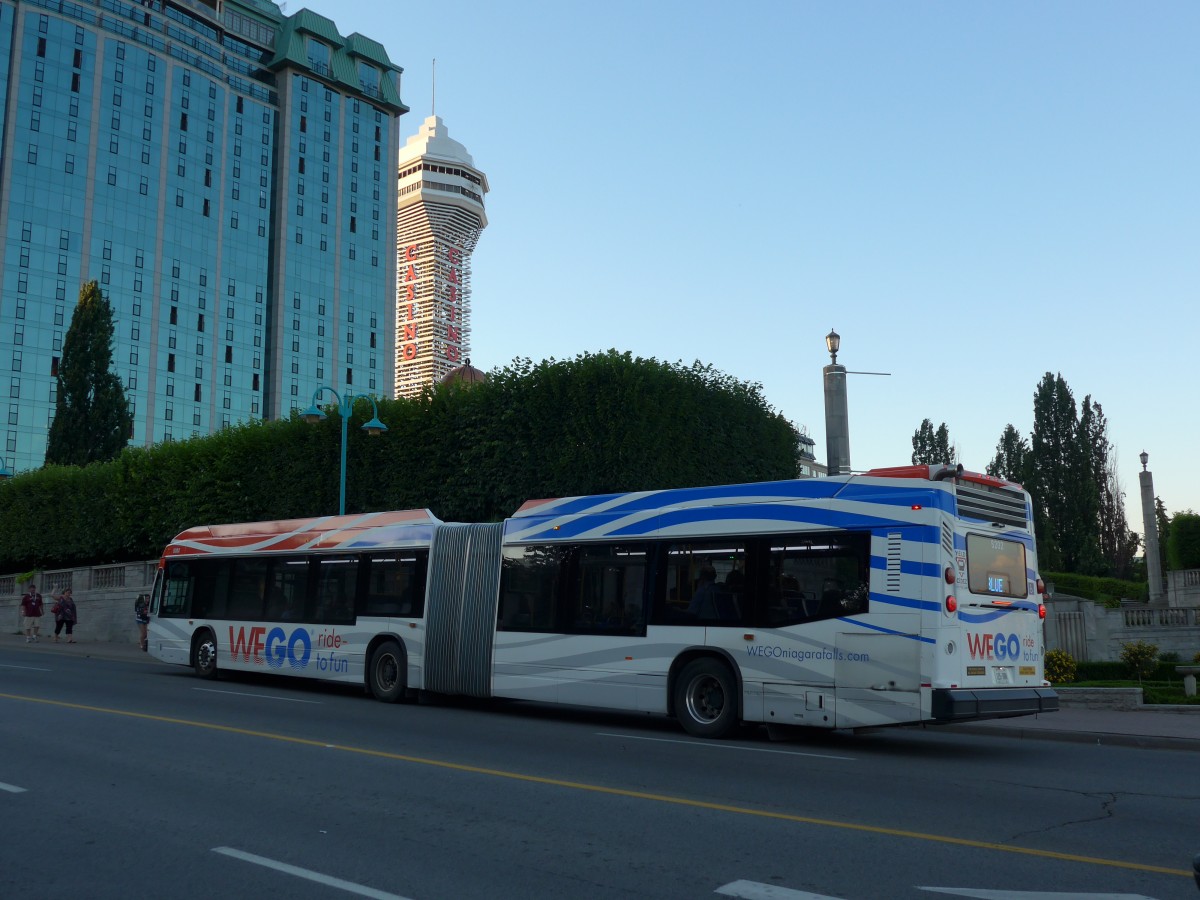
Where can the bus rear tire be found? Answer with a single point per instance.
(385, 674)
(204, 655)
(706, 703)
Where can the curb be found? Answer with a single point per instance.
(1096, 738)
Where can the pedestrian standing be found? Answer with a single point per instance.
(141, 615)
(31, 613)
(65, 614)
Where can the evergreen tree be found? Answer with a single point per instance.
(932, 447)
(92, 421)
(1011, 461)
(1051, 455)
(1164, 532)
(1117, 543)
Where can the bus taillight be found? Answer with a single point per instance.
(950, 576)
(951, 604)
(1041, 586)
(1041, 610)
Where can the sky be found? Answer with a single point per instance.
(971, 194)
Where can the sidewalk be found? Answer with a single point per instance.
(1159, 727)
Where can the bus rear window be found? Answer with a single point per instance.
(996, 567)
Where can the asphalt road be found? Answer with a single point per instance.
(127, 777)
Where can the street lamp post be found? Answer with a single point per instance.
(837, 414)
(313, 415)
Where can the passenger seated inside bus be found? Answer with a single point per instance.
(702, 604)
(712, 601)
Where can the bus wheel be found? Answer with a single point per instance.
(204, 655)
(706, 699)
(386, 672)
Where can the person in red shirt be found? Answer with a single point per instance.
(31, 613)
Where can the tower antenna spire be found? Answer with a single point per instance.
(434, 110)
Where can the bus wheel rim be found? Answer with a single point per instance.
(705, 699)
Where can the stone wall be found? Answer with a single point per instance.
(1091, 632)
(1183, 588)
(104, 597)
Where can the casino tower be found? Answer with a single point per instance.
(439, 218)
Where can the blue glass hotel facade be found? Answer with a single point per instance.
(226, 172)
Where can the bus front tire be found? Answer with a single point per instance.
(204, 656)
(386, 672)
(706, 702)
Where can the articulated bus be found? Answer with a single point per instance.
(897, 596)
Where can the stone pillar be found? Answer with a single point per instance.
(1150, 527)
(837, 421)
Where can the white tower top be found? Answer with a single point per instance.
(434, 141)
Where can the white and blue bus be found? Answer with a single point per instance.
(897, 596)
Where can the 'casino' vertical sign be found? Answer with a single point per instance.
(408, 313)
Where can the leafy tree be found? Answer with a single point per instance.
(932, 447)
(1012, 459)
(92, 421)
(1183, 551)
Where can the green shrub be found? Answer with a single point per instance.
(1169, 657)
(1088, 670)
(1196, 658)
(1060, 667)
(1140, 657)
(1107, 592)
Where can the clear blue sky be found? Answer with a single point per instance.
(971, 194)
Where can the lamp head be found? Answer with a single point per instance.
(1144, 457)
(312, 415)
(374, 427)
(833, 342)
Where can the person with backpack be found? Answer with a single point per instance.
(141, 615)
(31, 613)
(64, 614)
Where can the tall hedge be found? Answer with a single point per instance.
(593, 424)
(1183, 541)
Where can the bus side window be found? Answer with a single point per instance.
(531, 586)
(395, 584)
(337, 578)
(247, 589)
(822, 575)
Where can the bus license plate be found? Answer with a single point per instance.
(1002, 675)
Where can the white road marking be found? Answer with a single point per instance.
(26, 668)
(309, 874)
(714, 745)
(979, 894)
(11, 788)
(259, 696)
(754, 890)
